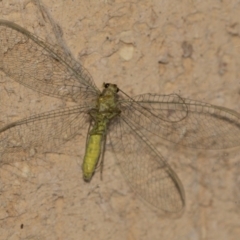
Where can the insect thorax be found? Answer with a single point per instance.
(106, 109)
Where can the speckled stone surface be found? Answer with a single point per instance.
(191, 48)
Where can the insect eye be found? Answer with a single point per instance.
(106, 85)
(117, 89)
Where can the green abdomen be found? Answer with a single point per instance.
(93, 151)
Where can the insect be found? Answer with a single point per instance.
(132, 124)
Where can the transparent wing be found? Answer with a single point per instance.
(184, 121)
(42, 67)
(42, 132)
(145, 169)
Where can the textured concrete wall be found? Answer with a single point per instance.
(188, 47)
